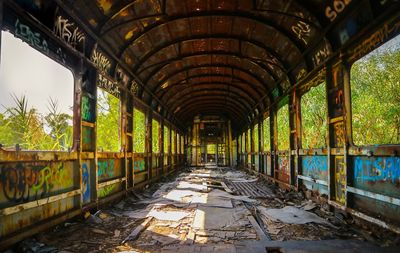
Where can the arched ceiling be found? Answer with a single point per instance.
(225, 57)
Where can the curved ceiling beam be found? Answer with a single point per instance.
(182, 57)
(238, 13)
(203, 107)
(191, 91)
(190, 113)
(207, 14)
(120, 10)
(162, 46)
(241, 80)
(216, 96)
(256, 95)
(222, 66)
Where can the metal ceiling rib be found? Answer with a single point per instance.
(232, 53)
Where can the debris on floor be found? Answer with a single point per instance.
(212, 210)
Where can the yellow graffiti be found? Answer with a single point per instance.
(105, 5)
(340, 179)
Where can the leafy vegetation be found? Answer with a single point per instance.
(283, 128)
(155, 136)
(108, 122)
(255, 132)
(173, 142)
(266, 135)
(139, 131)
(375, 96)
(166, 140)
(313, 117)
(31, 130)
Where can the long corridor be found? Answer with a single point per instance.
(215, 209)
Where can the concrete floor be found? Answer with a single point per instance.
(212, 210)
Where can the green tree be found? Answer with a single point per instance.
(155, 136)
(313, 117)
(283, 128)
(375, 96)
(139, 131)
(266, 135)
(108, 122)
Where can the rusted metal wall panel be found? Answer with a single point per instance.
(109, 169)
(283, 173)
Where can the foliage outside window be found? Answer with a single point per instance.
(211, 149)
(166, 139)
(182, 144)
(248, 141)
(139, 131)
(283, 128)
(173, 142)
(155, 136)
(375, 96)
(178, 143)
(243, 142)
(108, 122)
(255, 132)
(36, 97)
(313, 117)
(266, 135)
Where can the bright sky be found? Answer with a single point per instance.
(26, 71)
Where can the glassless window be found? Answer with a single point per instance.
(255, 132)
(173, 142)
(313, 117)
(139, 131)
(155, 136)
(283, 128)
(375, 96)
(36, 98)
(266, 135)
(108, 122)
(244, 142)
(166, 139)
(248, 141)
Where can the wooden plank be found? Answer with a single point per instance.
(226, 188)
(257, 227)
(135, 233)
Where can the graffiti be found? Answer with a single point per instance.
(87, 133)
(284, 164)
(87, 109)
(336, 7)
(22, 184)
(68, 31)
(301, 74)
(302, 30)
(375, 39)
(138, 166)
(85, 183)
(109, 85)
(134, 88)
(101, 61)
(107, 190)
(321, 55)
(61, 55)
(315, 167)
(33, 38)
(339, 134)
(106, 169)
(340, 179)
(385, 169)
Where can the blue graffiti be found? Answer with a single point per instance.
(315, 167)
(377, 169)
(138, 166)
(85, 183)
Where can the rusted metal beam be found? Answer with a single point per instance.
(190, 89)
(211, 66)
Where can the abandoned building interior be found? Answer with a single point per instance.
(200, 126)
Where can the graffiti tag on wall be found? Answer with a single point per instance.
(315, 167)
(68, 31)
(33, 38)
(384, 169)
(23, 183)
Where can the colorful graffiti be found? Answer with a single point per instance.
(87, 133)
(106, 190)
(87, 109)
(108, 169)
(108, 84)
(375, 169)
(23, 183)
(85, 183)
(315, 167)
(340, 179)
(101, 61)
